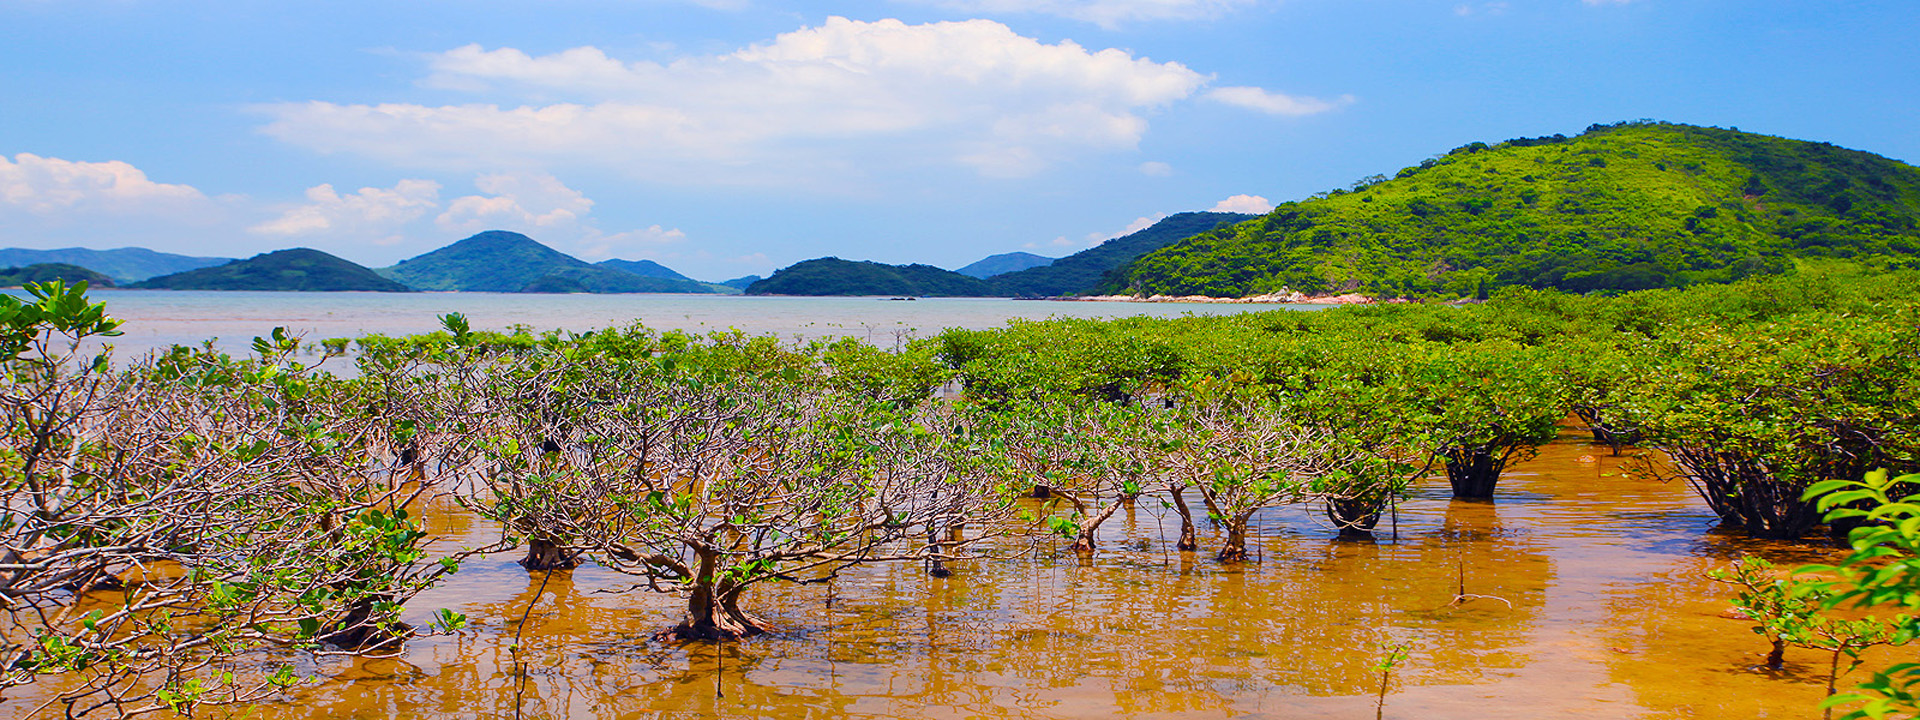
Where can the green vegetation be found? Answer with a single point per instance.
(833, 276)
(500, 261)
(1002, 264)
(644, 268)
(707, 465)
(124, 265)
(300, 269)
(1621, 207)
(52, 272)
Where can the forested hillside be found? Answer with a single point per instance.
(303, 269)
(833, 276)
(1620, 207)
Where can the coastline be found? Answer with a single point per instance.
(1286, 298)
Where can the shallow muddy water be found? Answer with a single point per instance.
(1597, 606)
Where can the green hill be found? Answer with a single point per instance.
(833, 276)
(1003, 263)
(1083, 271)
(500, 261)
(1619, 207)
(124, 265)
(742, 282)
(302, 269)
(48, 272)
(644, 268)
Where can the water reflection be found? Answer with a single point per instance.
(1594, 605)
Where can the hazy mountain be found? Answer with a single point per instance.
(124, 265)
(501, 261)
(1081, 272)
(833, 276)
(1003, 263)
(303, 269)
(741, 283)
(644, 268)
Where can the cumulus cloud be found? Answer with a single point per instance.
(1105, 13)
(1273, 103)
(49, 186)
(371, 210)
(516, 201)
(1244, 204)
(840, 98)
(598, 246)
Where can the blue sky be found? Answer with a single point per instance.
(727, 137)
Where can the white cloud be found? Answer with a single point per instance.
(597, 246)
(835, 100)
(516, 201)
(49, 186)
(1244, 204)
(1155, 168)
(369, 210)
(1105, 13)
(1273, 103)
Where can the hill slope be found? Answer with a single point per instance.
(124, 265)
(833, 276)
(1619, 207)
(644, 268)
(48, 272)
(1083, 271)
(1003, 263)
(303, 269)
(500, 261)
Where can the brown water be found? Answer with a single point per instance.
(1611, 617)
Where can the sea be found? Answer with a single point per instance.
(230, 320)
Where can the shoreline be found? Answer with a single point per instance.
(1286, 298)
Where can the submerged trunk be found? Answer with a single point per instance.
(1355, 517)
(714, 615)
(1186, 543)
(1472, 471)
(544, 554)
(361, 627)
(1235, 550)
(1084, 544)
(935, 566)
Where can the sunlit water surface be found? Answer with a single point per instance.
(158, 319)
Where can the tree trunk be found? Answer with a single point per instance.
(1472, 471)
(1355, 517)
(935, 566)
(713, 615)
(359, 629)
(1235, 550)
(543, 554)
(1085, 544)
(1187, 542)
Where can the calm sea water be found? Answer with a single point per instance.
(158, 319)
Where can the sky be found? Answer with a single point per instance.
(732, 137)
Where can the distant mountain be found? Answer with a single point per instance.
(124, 265)
(49, 272)
(833, 276)
(501, 261)
(644, 268)
(1004, 263)
(1082, 272)
(741, 283)
(1620, 207)
(302, 269)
